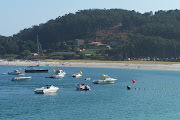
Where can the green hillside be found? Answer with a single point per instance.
(128, 34)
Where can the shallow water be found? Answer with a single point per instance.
(155, 95)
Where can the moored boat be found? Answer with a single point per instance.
(77, 75)
(105, 80)
(15, 72)
(46, 89)
(58, 74)
(82, 87)
(21, 77)
(35, 69)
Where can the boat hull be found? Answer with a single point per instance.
(21, 79)
(45, 91)
(36, 71)
(103, 82)
(77, 76)
(14, 73)
(57, 76)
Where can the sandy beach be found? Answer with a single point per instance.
(125, 65)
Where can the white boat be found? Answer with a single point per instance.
(105, 80)
(87, 79)
(77, 74)
(46, 89)
(58, 74)
(21, 77)
(82, 87)
(15, 72)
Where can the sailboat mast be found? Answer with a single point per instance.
(38, 48)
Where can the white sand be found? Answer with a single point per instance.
(96, 65)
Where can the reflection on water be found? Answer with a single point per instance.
(51, 94)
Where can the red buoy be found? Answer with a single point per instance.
(133, 81)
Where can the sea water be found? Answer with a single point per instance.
(154, 96)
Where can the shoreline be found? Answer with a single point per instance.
(123, 65)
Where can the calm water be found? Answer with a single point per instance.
(154, 96)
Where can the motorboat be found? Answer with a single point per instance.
(15, 72)
(87, 79)
(77, 75)
(58, 74)
(105, 80)
(35, 69)
(21, 77)
(46, 89)
(82, 87)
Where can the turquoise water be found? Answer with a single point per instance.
(154, 96)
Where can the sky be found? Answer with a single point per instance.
(16, 15)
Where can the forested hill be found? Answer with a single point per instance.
(134, 34)
(81, 25)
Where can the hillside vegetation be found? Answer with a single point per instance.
(130, 35)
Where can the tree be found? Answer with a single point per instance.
(25, 53)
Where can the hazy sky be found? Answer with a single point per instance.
(16, 15)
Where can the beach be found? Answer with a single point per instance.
(124, 64)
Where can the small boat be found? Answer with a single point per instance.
(3, 73)
(77, 74)
(46, 89)
(82, 87)
(15, 72)
(35, 69)
(58, 74)
(87, 79)
(105, 80)
(21, 77)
